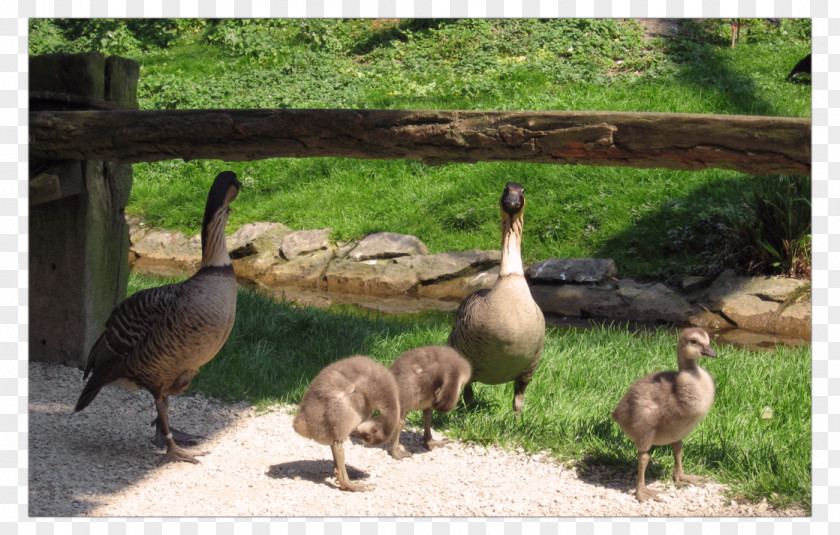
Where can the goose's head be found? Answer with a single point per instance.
(224, 190)
(513, 199)
(371, 432)
(695, 344)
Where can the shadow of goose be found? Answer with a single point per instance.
(314, 471)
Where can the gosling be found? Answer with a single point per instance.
(429, 377)
(342, 396)
(663, 407)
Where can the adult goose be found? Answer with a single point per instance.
(501, 331)
(663, 407)
(341, 402)
(158, 338)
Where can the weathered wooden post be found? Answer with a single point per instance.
(78, 238)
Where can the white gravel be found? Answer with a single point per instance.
(100, 462)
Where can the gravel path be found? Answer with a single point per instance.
(100, 462)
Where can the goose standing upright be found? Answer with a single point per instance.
(663, 407)
(158, 338)
(501, 331)
(341, 402)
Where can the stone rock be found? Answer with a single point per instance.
(691, 283)
(343, 249)
(655, 302)
(305, 271)
(795, 320)
(755, 340)
(445, 266)
(760, 304)
(756, 303)
(575, 300)
(573, 270)
(256, 238)
(626, 300)
(387, 245)
(137, 228)
(254, 267)
(170, 247)
(373, 277)
(768, 289)
(460, 287)
(304, 242)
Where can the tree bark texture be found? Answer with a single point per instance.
(749, 144)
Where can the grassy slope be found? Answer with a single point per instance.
(612, 212)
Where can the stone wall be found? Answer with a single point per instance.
(386, 266)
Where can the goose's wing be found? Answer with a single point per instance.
(130, 323)
(465, 316)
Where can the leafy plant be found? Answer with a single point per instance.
(770, 233)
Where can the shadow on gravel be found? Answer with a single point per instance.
(314, 471)
(106, 448)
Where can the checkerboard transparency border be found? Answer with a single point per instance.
(14, 252)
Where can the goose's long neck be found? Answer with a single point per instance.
(511, 245)
(213, 245)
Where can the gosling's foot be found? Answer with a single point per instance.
(646, 493)
(431, 444)
(176, 454)
(399, 453)
(355, 487)
(685, 479)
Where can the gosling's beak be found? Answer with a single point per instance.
(708, 352)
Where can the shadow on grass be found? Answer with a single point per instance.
(276, 348)
(394, 32)
(684, 235)
(704, 56)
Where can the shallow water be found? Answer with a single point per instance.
(406, 306)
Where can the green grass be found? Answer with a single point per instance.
(276, 349)
(654, 223)
(643, 219)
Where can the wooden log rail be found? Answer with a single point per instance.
(748, 144)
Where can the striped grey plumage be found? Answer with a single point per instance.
(160, 334)
(158, 338)
(501, 331)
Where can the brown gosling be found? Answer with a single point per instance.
(342, 396)
(663, 407)
(429, 377)
(501, 331)
(158, 338)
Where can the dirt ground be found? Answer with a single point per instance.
(100, 462)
